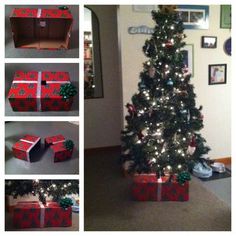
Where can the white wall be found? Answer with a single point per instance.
(215, 99)
(102, 117)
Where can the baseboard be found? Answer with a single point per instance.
(100, 149)
(225, 160)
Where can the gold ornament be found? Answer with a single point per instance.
(167, 8)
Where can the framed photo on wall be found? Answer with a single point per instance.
(225, 16)
(188, 57)
(209, 42)
(194, 16)
(217, 74)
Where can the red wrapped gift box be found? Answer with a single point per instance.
(48, 141)
(27, 215)
(41, 28)
(25, 146)
(60, 152)
(39, 91)
(146, 187)
(36, 215)
(56, 216)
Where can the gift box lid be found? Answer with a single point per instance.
(58, 147)
(26, 143)
(27, 205)
(145, 178)
(54, 139)
(40, 13)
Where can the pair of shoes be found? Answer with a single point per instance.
(218, 167)
(202, 170)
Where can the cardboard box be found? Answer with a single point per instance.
(26, 147)
(41, 28)
(39, 91)
(146, 187)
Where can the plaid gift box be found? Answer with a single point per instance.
(60, 153)
(41, 28)
(56, 216)
(48, 141)
(146, 187)
(39, 91)
(36, 215)
(24, 148)
(27, 215)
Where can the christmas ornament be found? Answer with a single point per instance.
(170, 82)
(131, 109)
(67, 91)
(151, 72)
(192, 146)
(65, 202)
(169, 44)
(183, 177)
(183, 111)
(140, 135)
(69, 144)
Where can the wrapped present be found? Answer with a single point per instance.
(41, 91)
(26, 146)
(37, 215)
(56, 216)
(41, 28)
(27, 215)
(146, 187)
(61, 151)
(48, 141)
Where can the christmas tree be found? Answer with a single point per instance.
(163, 124)
(56, 189)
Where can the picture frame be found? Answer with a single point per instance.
(188, 51)
(217, 74)
(209, 42)
(225, 16)
(194, 16)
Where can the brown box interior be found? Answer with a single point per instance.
(41, 33)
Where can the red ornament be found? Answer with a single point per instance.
(140, 135)
(201, 117)
(193, 142)
(131, 109)
(169, 44)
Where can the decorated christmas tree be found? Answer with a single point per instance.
(163, 124)
(56, 189)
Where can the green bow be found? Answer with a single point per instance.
(67, 90)
(183, 177)
(65, 202)
(69, 144)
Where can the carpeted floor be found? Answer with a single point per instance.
(108, 206)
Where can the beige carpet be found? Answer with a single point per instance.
(108, 205)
